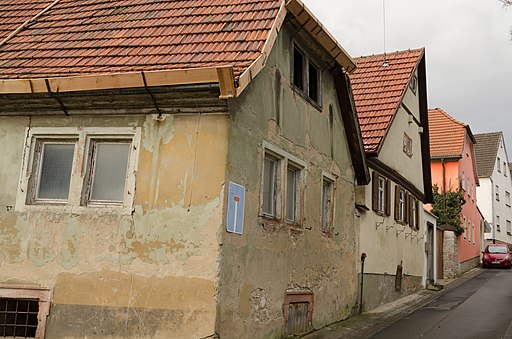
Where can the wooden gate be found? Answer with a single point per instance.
(439, 253)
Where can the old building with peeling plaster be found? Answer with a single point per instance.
(121, 143)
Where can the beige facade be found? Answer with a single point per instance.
(395, 245)
(158, 263)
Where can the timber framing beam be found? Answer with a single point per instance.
(224, 76)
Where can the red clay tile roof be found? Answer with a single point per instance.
(446, 134)
(106, 36)
(378, 91)
(14, 13)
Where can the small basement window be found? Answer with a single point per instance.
(23, 311)
(18, 317)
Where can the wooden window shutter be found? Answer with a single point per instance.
(417, 214)
(375, 191)
(387, 203)
(408, 209)
(397, 203)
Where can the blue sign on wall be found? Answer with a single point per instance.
(236, 203)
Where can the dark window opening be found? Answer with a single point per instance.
(313, 83)
(18, 318)
(298, 69)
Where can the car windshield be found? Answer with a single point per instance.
(498, 249)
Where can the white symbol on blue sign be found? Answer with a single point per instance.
(236, 203)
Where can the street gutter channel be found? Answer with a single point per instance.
(371, 322)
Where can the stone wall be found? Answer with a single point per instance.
(450, 255)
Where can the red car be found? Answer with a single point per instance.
(497, 255)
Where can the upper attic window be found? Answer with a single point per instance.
(413, 84)
(498, 161)
(305, 75)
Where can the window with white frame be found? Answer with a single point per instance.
(23, 311)
(463, 181)
(327, 204)
(270, 178)
(413, 84)
(505, 169)
(474, 235)
(498, 223)
(380, 193)
(292, 177)
(400, 204)
(79, 167)
(497, 193)
(509, 228)
(414, 222)
(281, 185)
(507, 198)
(498, 163)
(305, 75)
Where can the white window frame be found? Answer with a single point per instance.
(499, 164)
(76, 201)
(465, 226)
(415, 216)
(507, 198)
(284, 161)
(381, 200)
(509, 227)
(463, 182)
(497, 193)
(401, 205)
(41, 294)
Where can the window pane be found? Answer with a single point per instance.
(326, 205)
(298, 69)
(291, 192)
(313, 83)
(56, 164)
(269, 178)
(109, 176)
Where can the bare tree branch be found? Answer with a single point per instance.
(506, 2)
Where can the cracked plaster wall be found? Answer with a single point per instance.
(111, 272)
(269, 259)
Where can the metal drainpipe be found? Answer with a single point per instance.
(363, 257)
(493, 213)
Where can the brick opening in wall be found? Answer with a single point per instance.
(298, 312)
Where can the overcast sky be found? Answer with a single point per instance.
(468, 50)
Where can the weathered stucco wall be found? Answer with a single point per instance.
(151, 273)
(272, 257)
(386, 242)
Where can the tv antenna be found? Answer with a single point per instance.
(385, 64)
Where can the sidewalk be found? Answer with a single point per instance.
(369, 323)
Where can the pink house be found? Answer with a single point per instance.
(453, 165)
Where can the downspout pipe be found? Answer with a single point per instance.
(363, 257)
(493, 213)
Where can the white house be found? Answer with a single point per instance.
(493, 194)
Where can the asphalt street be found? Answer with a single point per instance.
(480, 308)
